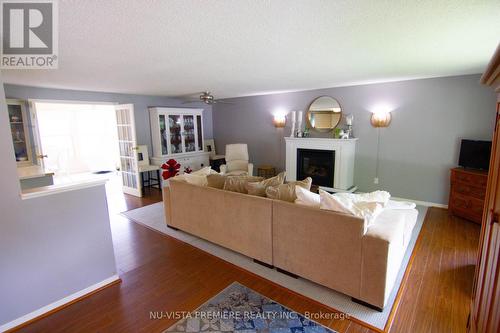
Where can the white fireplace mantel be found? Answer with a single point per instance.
(343, 178)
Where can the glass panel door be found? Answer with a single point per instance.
(17, 129)
(163, 135)
(199, 132)
(189, 136)
(128, 149)
(174, 124)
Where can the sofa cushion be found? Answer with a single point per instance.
(239, 183)
(306, 197)
(216, 181)
(406, 217)
(259, 188)
(286, 192)
(196, 179)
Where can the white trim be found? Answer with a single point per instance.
(54, 189)
(422, 203)
(56, 304)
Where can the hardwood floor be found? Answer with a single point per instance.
(160, 273)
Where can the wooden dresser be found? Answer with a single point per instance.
(467, 193)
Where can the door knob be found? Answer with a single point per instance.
(42, 156)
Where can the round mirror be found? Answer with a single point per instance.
(324, 114)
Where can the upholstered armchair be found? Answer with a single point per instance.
(237, 160)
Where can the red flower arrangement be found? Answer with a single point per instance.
(171, 169)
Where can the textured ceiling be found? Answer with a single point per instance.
(236, 48)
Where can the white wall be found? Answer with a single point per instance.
(52, 246)
(141, 104)
(430, 116)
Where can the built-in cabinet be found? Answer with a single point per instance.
(20, 132)
(178, 133)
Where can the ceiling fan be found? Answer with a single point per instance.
(207, 98)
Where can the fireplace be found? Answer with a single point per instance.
(317, 164)
(329, 162)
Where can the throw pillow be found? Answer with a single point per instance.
(259, 188)
(306, 197)
(196, 179)
(216, 181)
(331, 202)
(239, 183)
(286, 192)
(203, 171)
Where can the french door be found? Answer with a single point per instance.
(37, 142)
(127, 141)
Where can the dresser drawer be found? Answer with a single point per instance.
(478, 180)
(467, 207)
(468, 190)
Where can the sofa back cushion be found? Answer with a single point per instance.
(259, 188)
(216, 181)
(286, 192)
(196, 179)
(239, 183)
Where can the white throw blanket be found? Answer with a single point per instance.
(364, 205)
(393, 204)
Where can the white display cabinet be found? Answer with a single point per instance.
(178, 133)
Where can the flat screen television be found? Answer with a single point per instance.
(475, 154)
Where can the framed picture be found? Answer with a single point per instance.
(210, 147)
(142, 155)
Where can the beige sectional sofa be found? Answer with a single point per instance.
(333, 249)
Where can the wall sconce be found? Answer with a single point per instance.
(381, 119)
(279, 120)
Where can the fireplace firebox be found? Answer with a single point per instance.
(317, 164)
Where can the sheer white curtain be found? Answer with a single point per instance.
(78, 138)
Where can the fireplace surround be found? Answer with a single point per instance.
(329, 162)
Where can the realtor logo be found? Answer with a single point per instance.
(29, 34)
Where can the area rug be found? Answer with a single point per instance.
(153, 217)
(241, 309)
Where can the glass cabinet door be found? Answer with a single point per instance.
(19, 136)
(163, 134)
(174, 124)
(189, 136)
(199, 132)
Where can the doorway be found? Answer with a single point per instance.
(76, 139)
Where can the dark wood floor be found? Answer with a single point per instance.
(160, 273)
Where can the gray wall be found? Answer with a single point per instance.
(141, 103)
(417, 150)
(50, 247)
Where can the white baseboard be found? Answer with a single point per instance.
(422, 203)
(56, 304)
